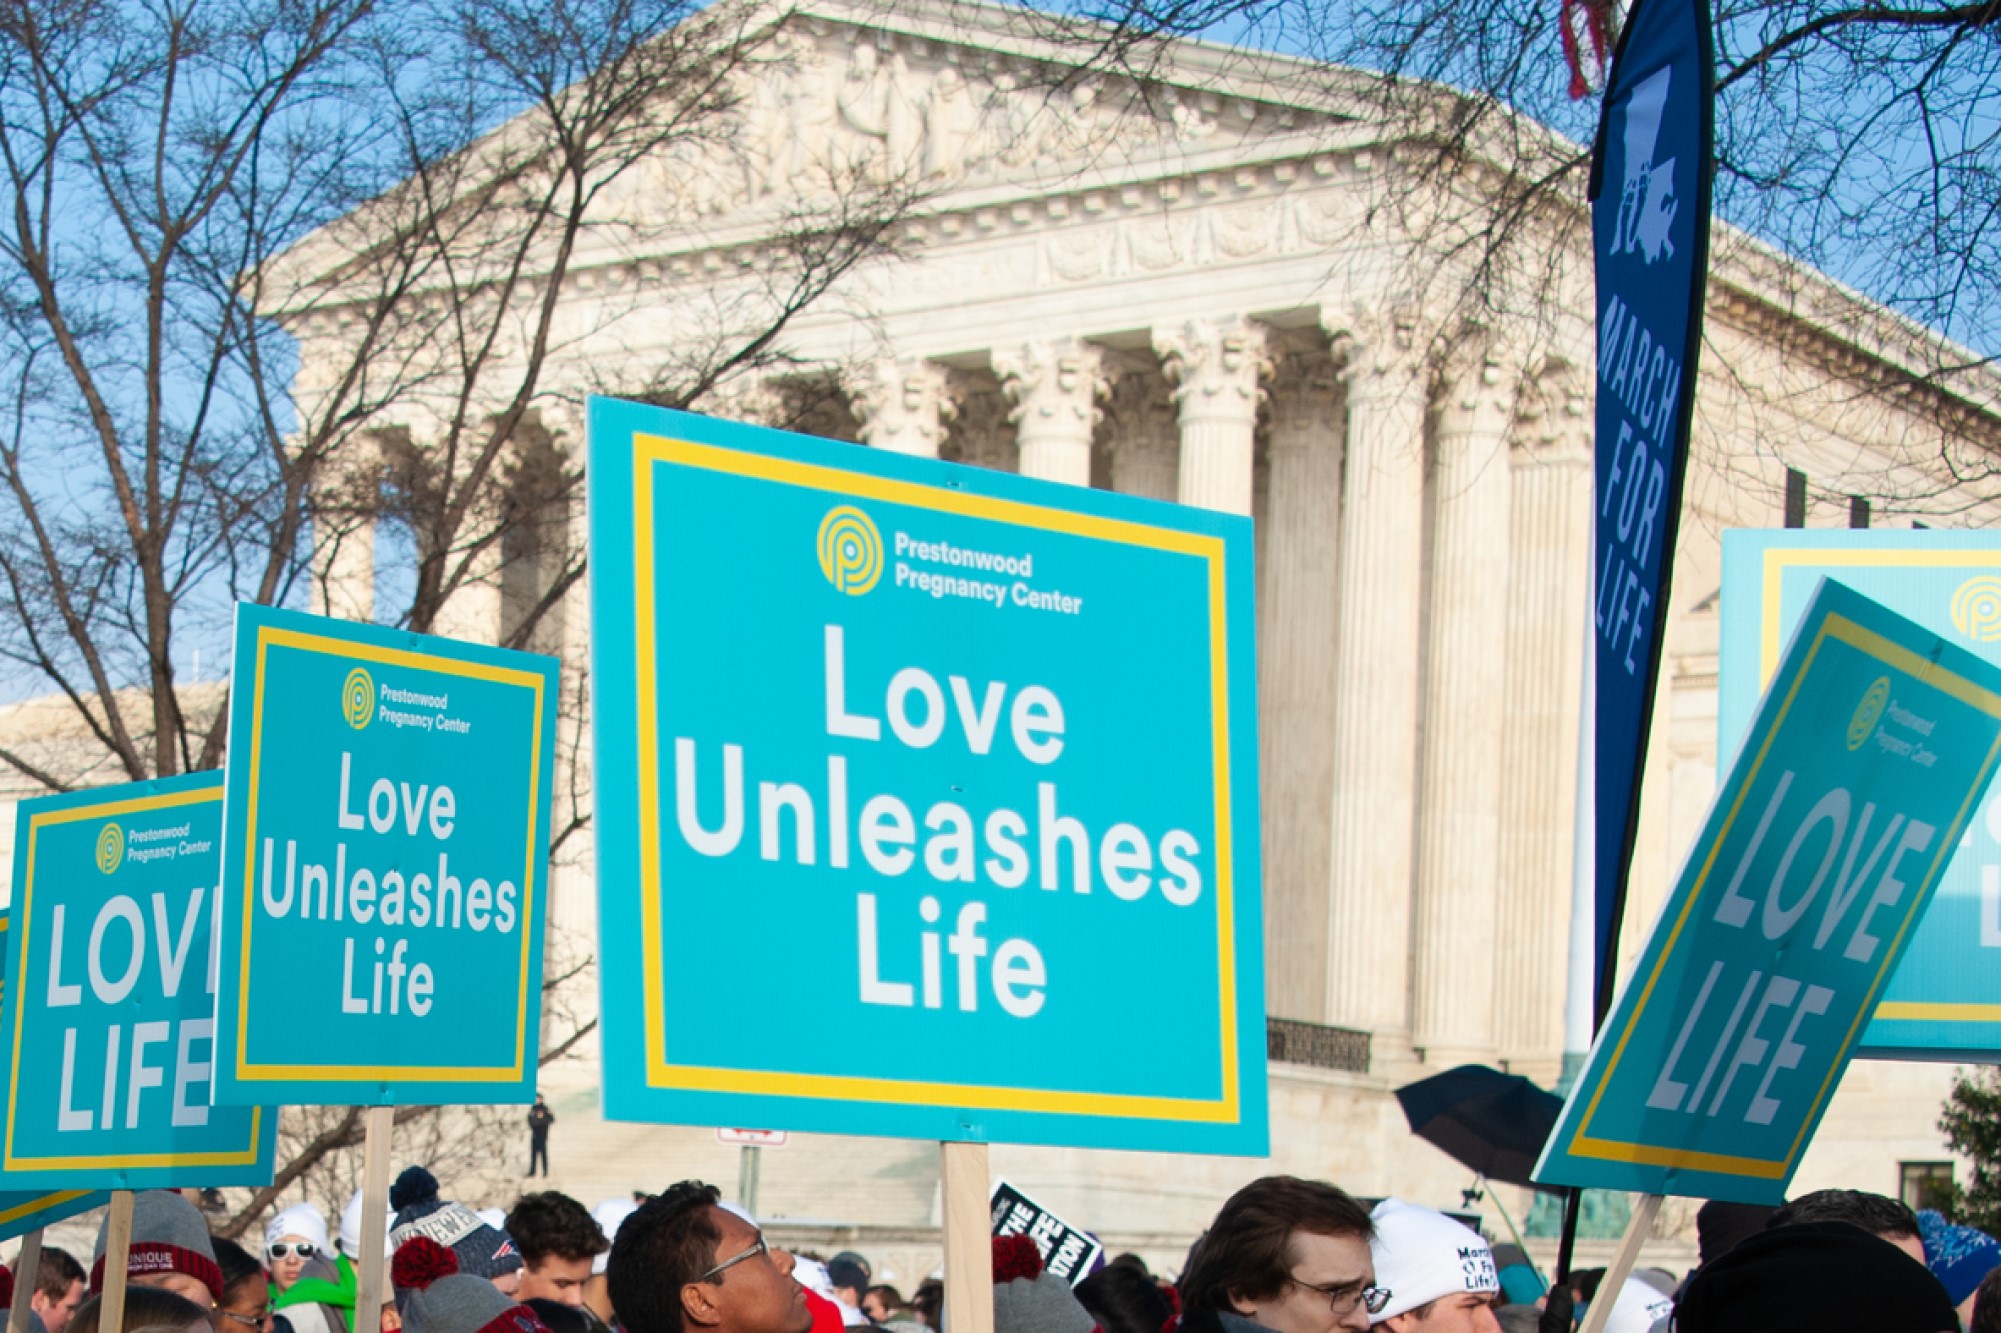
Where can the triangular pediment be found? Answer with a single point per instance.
(958, 96)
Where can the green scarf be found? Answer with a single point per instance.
(340, 1293)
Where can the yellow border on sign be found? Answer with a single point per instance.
(1897, 657)
(649, 450)
(14, 1162)
(273, 635)
(39, 1202)
(1777, 561)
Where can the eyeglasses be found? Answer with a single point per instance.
(285, 1249)
(735, 1259)
(1345, 1296)
(252, 1320)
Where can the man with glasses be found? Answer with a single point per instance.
(684, 1264)
(1441, 1274)
(1284, 1254)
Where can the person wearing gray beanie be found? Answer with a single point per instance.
(170, 1249)
(1030, 1299)
(481, 1250)
(435, 1297)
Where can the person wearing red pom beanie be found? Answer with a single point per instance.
(435, 1297)
(1028, 1298)
(682, 1263)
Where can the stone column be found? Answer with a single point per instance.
(1453, 1000)
(1146, 443)
(1215, 368)
(903, 405)
(474, 573)
(1296, 676)
(472, 609)
(345, 502)
(1375, 679)
(1055, 387)
(1548, 601)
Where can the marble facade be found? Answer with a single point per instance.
(1185, 291)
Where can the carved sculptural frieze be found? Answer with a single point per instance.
(832, 108)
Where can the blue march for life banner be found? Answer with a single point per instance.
(385, 865)
(111, 1025)
(913, 780)
(1650, 177)
(1944, 1003)
(23, 1211)
(1865, 763)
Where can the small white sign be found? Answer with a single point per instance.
(753, 1138)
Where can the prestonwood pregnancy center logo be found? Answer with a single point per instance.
(357, 698)
(850, 550)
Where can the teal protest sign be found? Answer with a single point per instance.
(115, 951)
(1944, 1003)
(914, 780)
(1860, 771)
(385, 852)
(23, 1211)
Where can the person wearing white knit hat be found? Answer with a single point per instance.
(1440, 1274)
(295, 1235)
(1638, 1307)
(350, 1229)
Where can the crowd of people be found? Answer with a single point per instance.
(1283, 1255)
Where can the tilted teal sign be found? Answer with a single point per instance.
(914, 780)
(1860, 772)
(385, 866)
(1944, 1003)
(23, 1211)
(112, 1022)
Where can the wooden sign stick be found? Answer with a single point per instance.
(1637, 1231)
(26, 1266)
(374, 1289)
(969, 1246)
(117, 1254)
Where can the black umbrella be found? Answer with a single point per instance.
(1494, 1123)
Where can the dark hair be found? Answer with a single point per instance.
(1124, 1300)
(1986, 1305)
(888, 1295)
(847, 1273)
(551, 1223)
(58, 1270)
(1584, 1281)
(558, 1317)
(1130, 1260)
(238, 1266)
(667, 1243)
(928, 1300)
(145, 1307)
(1875, 1214)
(1248, 1249)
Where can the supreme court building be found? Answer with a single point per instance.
(1211, 289)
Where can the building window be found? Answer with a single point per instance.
(1858, 511)
(1926, 1184)
(1795, 498)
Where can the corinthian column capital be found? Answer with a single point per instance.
(1554, 415)
(1055, 388)
(1216, 366)
(1054, 384)
(1379, 349)
(1481, 386)
(903, 404)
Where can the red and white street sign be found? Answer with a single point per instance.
(753, 1138)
